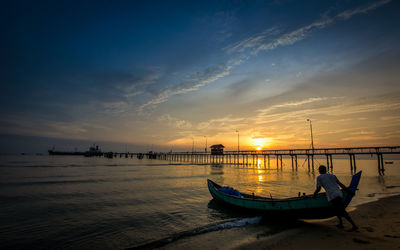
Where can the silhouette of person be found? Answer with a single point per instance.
(331, 185)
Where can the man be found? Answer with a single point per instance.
(331, 185)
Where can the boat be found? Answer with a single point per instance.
(54, 152)
(302, 207)
(93, 151)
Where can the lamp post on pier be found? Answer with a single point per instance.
(312, 139)
(205, 149)
(192, 145)
(237, 131)
(312, 146)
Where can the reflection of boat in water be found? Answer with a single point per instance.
(305, 207)
(388, 162)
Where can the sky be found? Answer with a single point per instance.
(170, 75)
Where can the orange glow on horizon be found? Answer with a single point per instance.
(230, 143)
(260, 143)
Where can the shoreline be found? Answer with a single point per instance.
(378, 222)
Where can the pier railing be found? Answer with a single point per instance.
(288, 152)
(246, 157)
(324, 151)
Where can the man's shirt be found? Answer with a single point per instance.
(330, 183)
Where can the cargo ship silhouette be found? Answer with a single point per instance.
(93, 151)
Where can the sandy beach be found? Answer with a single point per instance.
(378, 221)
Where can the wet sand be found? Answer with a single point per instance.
(378, 221)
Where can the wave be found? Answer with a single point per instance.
(46, 166)
(197, 231)
(31, 183)
(94, 164)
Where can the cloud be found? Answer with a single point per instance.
(294, 104)
(362, 108)
(175, 122)
(194, 82)
(253, 41)
(377, 74)
(366, 138)
(361, 10)
(127, 90)
(136, 87)
(241, 88)
(277, 113)
(220, 123)
(47, 128)
(362, 132)
(117, 107)
(390, 118)
(269, 39)
(116, 92)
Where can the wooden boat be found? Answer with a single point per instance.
(304, 207)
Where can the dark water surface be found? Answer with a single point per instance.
(70, 202)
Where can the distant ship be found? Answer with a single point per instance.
(54, 152)
(93, 151)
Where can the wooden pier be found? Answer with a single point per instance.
(252, 157)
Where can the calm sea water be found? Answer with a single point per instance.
(70, 202)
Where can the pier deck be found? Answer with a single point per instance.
(242, 157)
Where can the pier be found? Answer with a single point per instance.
(252, 157)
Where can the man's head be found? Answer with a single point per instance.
(322, 169)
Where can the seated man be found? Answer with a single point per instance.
(331, 185)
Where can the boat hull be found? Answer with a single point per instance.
(52, 152)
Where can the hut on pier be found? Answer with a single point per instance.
(217, 149)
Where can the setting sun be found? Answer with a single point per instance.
(259, 143)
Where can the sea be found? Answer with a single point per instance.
(76, 202)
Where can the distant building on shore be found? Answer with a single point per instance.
(217, 149)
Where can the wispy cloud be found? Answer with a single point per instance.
(253, 41)
(194, 82)
(294, 104)
(123, 89)
(274, 114)
(366, 138)
(220, 123)
(116, 107)
(390, 118)
(47, 128)
(136, 87)
(267, 40)
(362, 10)
(270, 40)
(175, 122)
